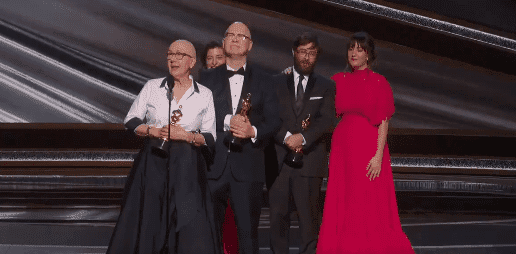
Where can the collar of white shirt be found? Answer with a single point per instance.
(296, 78)
(194, 85)
(231, 69)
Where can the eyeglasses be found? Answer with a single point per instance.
(304, 53)
(177, 55)
(239, 36)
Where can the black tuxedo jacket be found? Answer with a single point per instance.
(319, 102)
(247, 165)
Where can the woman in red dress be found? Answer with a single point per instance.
(360, 212)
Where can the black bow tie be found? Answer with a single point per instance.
(239, 71)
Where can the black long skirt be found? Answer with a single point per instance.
(152, 220)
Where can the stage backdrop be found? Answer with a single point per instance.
(85, 62)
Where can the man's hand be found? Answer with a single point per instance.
(236, 120)
(294, 142)
(241, 127)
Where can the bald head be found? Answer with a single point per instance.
(237, 41)
(181, 58)
(239, 27)
(182, 46)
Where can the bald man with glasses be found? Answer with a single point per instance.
(239, 174)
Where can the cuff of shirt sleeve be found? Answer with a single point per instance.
(286, 136)
(227, 122)
(290, 134)
(137, 127)
(133, 123)
(255, 134)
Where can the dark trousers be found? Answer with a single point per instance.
(289, 189)
(246, 200)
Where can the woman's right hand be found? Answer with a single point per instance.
(147, 130)
(154, 132)
(374, 167)
(176, 132)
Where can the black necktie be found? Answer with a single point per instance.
(300, 94)
(239, 71)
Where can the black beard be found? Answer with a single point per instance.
(302, 71)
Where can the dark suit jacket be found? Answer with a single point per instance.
(247, 165)
(319, 102)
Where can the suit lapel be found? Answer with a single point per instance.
(227, 89)
(291, 92)
(246, 87)
(309, 87)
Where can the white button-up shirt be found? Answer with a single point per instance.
(236, 82)
(151, 106)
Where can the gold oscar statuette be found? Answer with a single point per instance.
(160, 146)
(295, 158)
(235, 143)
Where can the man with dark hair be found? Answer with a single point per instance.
(303, 93)
(239, 174)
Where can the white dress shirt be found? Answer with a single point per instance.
(304, 82)
(236, 82)
(151, 106)
(296, 81)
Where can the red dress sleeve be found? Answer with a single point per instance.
(337, 76)
(384, 104)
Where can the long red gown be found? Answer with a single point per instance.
(360, 216)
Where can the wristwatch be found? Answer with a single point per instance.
(193, 139)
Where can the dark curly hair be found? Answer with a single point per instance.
(211, 45)
(307, 38)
